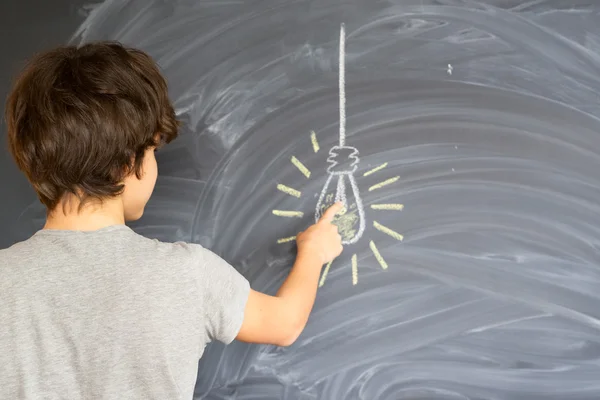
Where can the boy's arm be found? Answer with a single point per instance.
(281, 318)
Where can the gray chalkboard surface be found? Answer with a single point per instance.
(470, 160)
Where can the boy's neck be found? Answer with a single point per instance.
(91, 217)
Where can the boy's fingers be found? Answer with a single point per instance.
(330, 213)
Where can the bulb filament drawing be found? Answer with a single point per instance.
(343, 161)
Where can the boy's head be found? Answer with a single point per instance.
(84, 122)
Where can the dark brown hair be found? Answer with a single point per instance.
(80, 119)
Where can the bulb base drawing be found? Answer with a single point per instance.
(343, 160)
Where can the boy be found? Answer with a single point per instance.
(88, 308)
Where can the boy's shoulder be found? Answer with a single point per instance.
(47, 247)
(123, 264)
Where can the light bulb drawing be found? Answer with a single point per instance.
(343, 161)
(341, 186)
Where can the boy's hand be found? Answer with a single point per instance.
(322, 239)
(280, 319)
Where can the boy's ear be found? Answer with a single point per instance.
(159, 140)
(128, 170)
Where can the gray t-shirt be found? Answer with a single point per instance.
(110, 314)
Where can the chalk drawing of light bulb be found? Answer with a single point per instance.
(341, 185)
(343, 161)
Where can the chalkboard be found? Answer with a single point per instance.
(470, 161)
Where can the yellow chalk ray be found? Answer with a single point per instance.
(313, 139)
(300, 166)
(384, 183)
(286, 239)
(388, 231)
(377, 255)
(288, 214)
(289, 190)
(354, 269)
(324, 276)
(392, 206)
(372, 171)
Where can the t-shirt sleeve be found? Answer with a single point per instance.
(224, 292)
